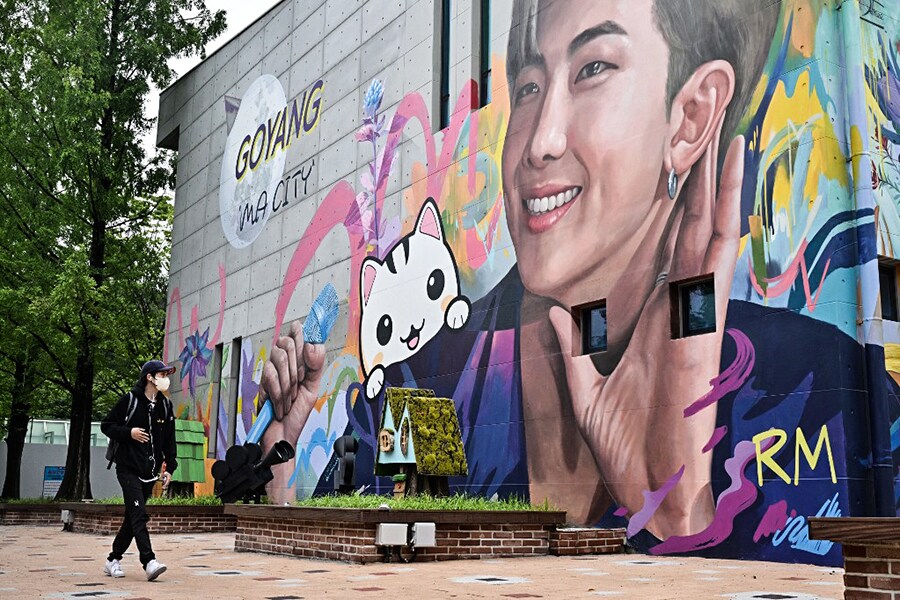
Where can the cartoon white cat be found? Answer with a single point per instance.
(408, 298)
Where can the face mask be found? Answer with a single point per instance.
(162, 384)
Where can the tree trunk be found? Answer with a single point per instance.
(18, 427)
(76, 483)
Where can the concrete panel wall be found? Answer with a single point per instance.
(37, 456)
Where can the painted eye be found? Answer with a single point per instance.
(385, 328)
(526, 90)
(592, 69)
(435, 284)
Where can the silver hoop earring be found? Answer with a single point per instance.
(673, 184)
(661, 277)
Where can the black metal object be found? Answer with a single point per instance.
(345, 448)
(244, 473)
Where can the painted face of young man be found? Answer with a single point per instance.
(587, 134)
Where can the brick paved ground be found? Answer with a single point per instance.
(40, 562)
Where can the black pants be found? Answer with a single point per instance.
(134, 526)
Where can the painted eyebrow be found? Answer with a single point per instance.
(586, 36)
(534, 59)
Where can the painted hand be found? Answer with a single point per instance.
(633, 419)
(290, 379)
(375, 382)
(457, 313)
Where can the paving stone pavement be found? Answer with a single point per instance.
(40, 562)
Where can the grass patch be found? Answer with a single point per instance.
(27, 501)
(423, 502)
(161, 501)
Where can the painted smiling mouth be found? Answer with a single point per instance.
(412, 340)
(540, 206)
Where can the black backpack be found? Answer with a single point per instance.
(114, 444)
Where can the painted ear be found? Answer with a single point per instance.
(429, 221)
(698, 114)
(367, 279)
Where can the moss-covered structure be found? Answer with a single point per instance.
(427, 435)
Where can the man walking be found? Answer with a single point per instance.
(142, 424)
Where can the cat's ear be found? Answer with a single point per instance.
(429, 221)
(367, 278)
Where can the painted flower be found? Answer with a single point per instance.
(372, 100)
(194, 358)
(366, 133)
(377, 234)
(249, 388)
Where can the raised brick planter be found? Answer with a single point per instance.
(105, 519)
(40, 515)
(871, 547)
(575, 541)
(349, 534)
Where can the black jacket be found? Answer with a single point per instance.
(143, 459)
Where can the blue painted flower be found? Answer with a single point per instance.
(372, 100)
(194, 358)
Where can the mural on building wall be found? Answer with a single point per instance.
(408, 298)
(261, 128)
(248, 388)
(195, 354)
(628, 149)
(222, 413)
(881, 63)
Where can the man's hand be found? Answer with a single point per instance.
(290, 380)
(633, 419)
(140, 435)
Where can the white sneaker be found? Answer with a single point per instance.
(113, 569)
(154, 569)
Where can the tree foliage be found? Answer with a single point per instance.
(84, 208)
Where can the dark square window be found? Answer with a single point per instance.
(694, 307)
(593, 328)
(444, 109)
(887, 280)
(484, 53)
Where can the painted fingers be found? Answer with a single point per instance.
(284, 370)
(709, 237)
(721, 256)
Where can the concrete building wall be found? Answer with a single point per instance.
(309, 146)
(37, 456)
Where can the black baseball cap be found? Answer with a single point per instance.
(155, 366)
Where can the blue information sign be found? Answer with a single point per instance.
(53, 476)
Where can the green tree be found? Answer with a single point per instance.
(84, 203)
(18, 383)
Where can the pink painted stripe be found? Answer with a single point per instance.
(715, 438)
(732, 378)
